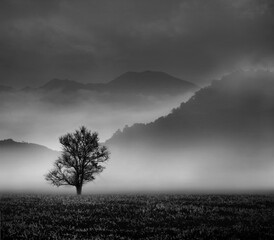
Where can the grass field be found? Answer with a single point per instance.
(137, 217)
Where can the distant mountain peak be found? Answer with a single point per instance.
(241, 104)
(150, 82)
(9, 140)
(146, 74)
(11, 144)
(64, 84)
(146, 82)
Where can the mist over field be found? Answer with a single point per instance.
(212, 167)
(207, 167)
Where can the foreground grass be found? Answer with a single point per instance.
(137, 216)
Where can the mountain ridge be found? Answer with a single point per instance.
(62, 84)
(23, 165)
(236, 103)
(147, 82)
(10, 144)
(150, 82)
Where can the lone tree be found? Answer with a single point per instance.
(80, 161)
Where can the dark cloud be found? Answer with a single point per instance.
(94, 41)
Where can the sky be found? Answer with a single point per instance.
(96, 41)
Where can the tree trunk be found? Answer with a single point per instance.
(79, 189)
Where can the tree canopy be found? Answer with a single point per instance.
(81, 159)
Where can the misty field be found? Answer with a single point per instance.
(137, 216)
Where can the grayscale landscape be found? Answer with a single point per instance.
(137, 119)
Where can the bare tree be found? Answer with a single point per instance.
(81, 159)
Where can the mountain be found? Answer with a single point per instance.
(61, 84)
(12, 152)
(148, 82)
(240, 104)
(220, 140)
(28, 89)
(9, 145)
(23, 165)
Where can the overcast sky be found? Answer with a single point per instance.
(95, 41)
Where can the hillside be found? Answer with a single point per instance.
(220, 140)
(62, 104)
(23, 165)
(240, 104)
(11, 145)
(150, 82)
(62, 84)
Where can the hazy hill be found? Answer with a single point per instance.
(62, 84)
(11, 146)
(219, 140)
(23, 165)
(240, 104)
(61, 105)
(148, 82)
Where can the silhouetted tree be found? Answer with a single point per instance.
(80, 161)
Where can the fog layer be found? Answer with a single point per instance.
(221, 140)
(43, 117)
